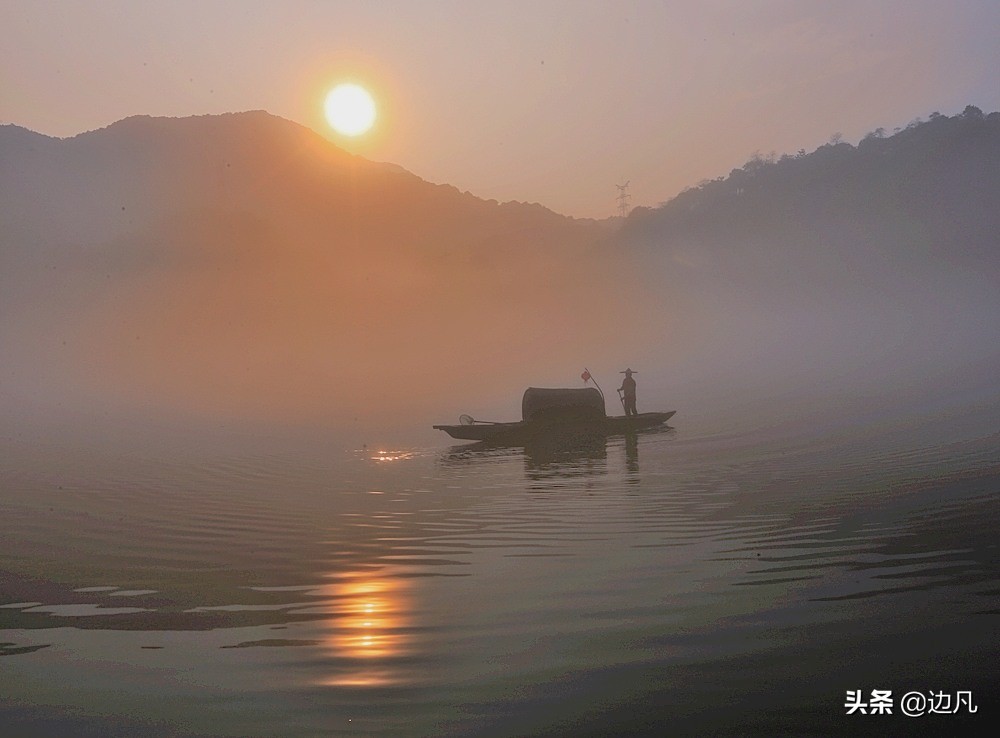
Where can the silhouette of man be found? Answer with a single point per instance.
(628, 391)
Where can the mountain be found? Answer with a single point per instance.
(869, 265)
(100, 185)
(930, 191)
(241, 268)
(243, 265)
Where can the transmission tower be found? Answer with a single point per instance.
(623, 198)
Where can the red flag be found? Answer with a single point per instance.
(585, 376)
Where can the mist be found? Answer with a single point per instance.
(239, 274)
(843, 357)
(845, 283)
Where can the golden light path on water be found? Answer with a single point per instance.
(370, 610)
(368, 629)
(383, 455)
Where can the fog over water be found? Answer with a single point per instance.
(306, 288)
(238, 272)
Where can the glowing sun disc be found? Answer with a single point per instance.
(350, 110)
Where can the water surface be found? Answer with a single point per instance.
(686, 581)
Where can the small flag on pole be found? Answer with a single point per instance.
(585, 376)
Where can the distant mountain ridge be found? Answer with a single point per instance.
(242, 266)
(243, 263)
(929, 192)
(858, 270)
(148, 166)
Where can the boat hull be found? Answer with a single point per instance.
(527, 431)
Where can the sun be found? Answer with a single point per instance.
(350, 109)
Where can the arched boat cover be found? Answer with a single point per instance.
(568, 404)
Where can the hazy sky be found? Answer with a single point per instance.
(554, 102)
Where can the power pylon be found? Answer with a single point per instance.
(623, 198)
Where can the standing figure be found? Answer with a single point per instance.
(628, 392)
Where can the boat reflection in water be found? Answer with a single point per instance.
(554, 461)
(550, 463)
(369, 633)
(550, 460)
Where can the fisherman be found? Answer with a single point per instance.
(628, 391)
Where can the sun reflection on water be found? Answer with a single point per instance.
(370, 629)
(383, 455)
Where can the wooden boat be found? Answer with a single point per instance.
(525, 430)
(564, 414)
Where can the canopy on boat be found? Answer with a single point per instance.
(541, 404)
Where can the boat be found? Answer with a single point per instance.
(564, 414)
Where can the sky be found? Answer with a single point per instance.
(540, 101)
